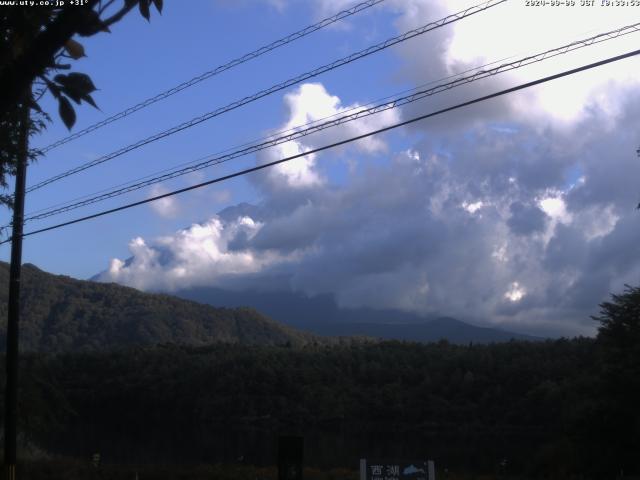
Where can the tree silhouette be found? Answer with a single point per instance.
(619, 347)
(36, 45)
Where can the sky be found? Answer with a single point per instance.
(517, 212)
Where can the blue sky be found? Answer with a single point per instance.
(140, 59)
(516, 212)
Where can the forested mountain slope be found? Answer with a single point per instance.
(64, 314)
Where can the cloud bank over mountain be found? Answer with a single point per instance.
(517, 212)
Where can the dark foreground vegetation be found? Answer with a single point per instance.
(551, 409)
(70, 469)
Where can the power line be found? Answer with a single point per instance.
(275, 88)
(261, 139)
(358, 112)
(337, 144)
(211, 73)
(271, 136)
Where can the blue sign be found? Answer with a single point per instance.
(371, 469)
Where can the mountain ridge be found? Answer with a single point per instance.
(62, 314)
(321, 315)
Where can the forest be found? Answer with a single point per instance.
(119, 384)
(551, 409)
(146, 379)
(63, 314)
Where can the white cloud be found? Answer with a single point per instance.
(165, 207)
(481, 218)
(395, 236)
(297, 173)
(198, 255)
(311, 103)
(473, 207)
(555, 207)
(515, 292)
(508, 32)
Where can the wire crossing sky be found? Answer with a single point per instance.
(516, 212)
(276, 88)
(340, 143)
(359, 113)
(222, 68)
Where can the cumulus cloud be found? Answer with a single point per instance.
(311, 104)
(165, 207)
(198, 255)
(517, 212)
(429, 233)
(503, 34)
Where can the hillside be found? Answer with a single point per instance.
(322, 315)
(64, 314)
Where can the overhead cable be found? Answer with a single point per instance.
(275, 88)
(219, 69)
(357, 113)
(337, 144)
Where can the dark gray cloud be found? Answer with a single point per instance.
(432, 232)
(512, 212)
(526, 219)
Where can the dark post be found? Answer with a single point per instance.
(290, 456)
(11, 388)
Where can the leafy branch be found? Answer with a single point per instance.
(37, 47)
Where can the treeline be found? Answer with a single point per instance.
(545, 407)
(541, 409)
(62, 314)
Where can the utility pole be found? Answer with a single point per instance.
(11, 388)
